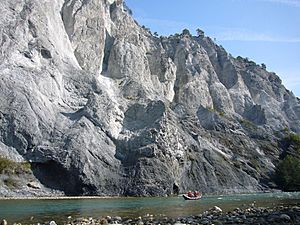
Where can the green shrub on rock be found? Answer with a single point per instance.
(288, 170)
(294, 139)
(288, 173)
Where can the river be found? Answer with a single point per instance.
(42, 210)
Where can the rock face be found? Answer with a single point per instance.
(99, 106)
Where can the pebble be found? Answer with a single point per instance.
(179, 223)
(285, 217)
(51, 223)
(140, 223)
(205, 222)
(118, 218)
(296, 208)
(243, 217)
(217, 209)
(103, 221)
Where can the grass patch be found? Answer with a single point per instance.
(11, 183)
(26, 166)
(11, 167)
(211, 109)
(222, 114)
(5, 164)
(247, 123)
(255, 164)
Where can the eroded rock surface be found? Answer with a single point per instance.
(99, 106)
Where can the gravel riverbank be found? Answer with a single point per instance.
(253, 215)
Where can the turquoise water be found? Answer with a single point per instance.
(33, 211)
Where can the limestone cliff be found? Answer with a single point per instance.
(99, 106)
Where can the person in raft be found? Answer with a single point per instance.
(190, 194)
(196, 193)
(193, 194)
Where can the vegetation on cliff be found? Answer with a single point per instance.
(288, 170)
(10, 167)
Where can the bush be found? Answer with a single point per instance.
(286, 129)
(293, 144)
(294, 139)
(288, 173)
(288, 170)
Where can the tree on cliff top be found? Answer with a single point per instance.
(200, 33)
(186, 32)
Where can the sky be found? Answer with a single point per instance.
(265, 31)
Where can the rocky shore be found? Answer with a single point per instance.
(253, 215)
